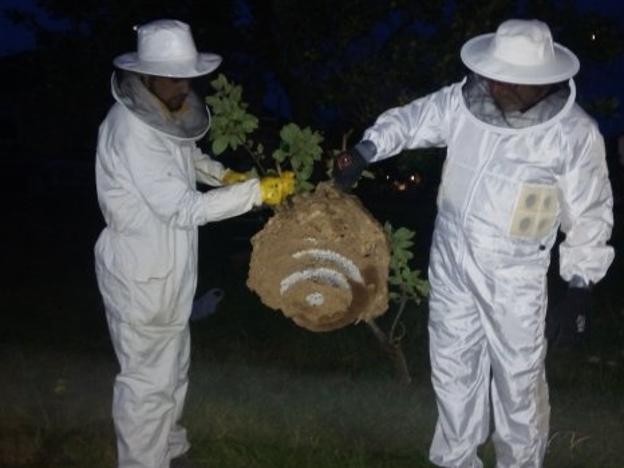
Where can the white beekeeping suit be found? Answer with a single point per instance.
(510, 180)
(146, 257)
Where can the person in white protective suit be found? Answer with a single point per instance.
(522, 161)
(147, 166)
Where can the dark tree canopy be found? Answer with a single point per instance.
(337, 62)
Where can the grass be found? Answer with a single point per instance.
(266, 394)
(275, 417)
(263, 392)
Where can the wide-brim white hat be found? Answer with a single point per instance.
(521, 52)
(166, 48)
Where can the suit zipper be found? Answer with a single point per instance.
(480, 172)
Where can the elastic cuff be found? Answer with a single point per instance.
(366, 149)
(578, 282)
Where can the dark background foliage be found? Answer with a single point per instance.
(330, 64)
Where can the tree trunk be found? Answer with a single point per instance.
(394, 351)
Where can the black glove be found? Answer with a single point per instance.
(571, 318)
(348, 167)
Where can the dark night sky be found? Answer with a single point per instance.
(604, 80)
(17, 38)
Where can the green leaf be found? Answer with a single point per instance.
(404, 233)
(289, 132)
(279, 155)
(219, 145)
(304, 186)
(403, 279)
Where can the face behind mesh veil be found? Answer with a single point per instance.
(191, 122)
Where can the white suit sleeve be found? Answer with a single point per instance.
(169, 194)
(207, 170)
(419, 124)
(586, 211)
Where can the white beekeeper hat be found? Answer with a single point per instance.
(521, 52)
(166, 48)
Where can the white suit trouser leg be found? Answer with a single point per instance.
(480, 326)
(518, 350)
(149, 393)
(461, 377)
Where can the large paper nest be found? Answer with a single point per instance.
(322, 260)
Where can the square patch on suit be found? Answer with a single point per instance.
(535, 211)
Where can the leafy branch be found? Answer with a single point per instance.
(233, 126)
(406, 285)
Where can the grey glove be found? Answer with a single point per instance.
(206, 305)
(572, 318)
(349, 165)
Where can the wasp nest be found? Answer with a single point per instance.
(323, 261)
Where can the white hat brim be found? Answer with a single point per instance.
(203, 64)
(477, 57)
